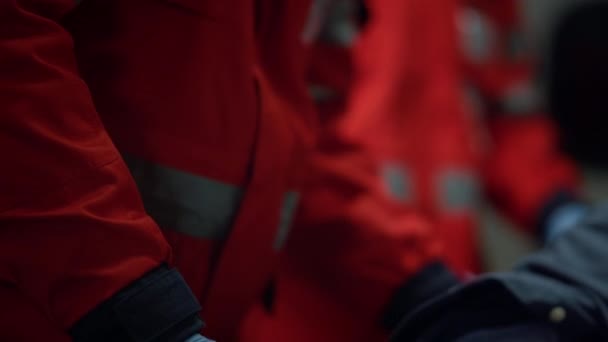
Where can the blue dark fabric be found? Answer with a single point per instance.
(563, 219)
(157, 307)
(569, 274)
(560, 199)
(429, 282)
(516, 333)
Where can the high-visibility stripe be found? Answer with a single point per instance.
(477, 34)
(521, 98)
(191, 204)
(339, 28)
(397, 181)
(316, 20)
(290, 204)
(195, 205)
(458, 190)
(320, 93)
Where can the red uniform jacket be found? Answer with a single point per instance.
(352, 246)
(407, 97)
(171, 85)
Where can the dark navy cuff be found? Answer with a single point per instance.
(429, 282)
(157, 307)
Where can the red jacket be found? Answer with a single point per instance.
(407, 99)
(407, 103)
(172, 82)
(351, 246)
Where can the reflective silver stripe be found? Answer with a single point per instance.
(290, 204)
(339, 27)
(477, 34)
(522, 98)
(458, 190)
(397, 181)
(320, 93)
(316, 20)
(191, 204)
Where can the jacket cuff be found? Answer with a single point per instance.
(157, 307)
(560, 199)
(429, 282)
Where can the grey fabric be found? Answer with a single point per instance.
(196, 205)
(191, 204)
(458, 190)
(398, 181)
(290, 204)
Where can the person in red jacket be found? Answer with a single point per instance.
(191, 104)
(407, 100)
(356, 259)
(168, 87)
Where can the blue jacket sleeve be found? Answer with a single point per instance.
(563, 287)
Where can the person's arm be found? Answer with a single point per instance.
(531, 180)
(560, 290)
(376, 257)
(74, 237)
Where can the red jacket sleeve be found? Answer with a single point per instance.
(351, 237)
(72, 229)
(525, 167)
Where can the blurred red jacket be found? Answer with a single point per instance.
(442, 150)
(523, 166)
(352, 247)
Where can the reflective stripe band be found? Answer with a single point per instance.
(316, 19)
(191, 204)
(477, 34)
(290, 204)
(320, 93)
(521, 98)
(339, 27)
(397, 181)
(458, 190)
